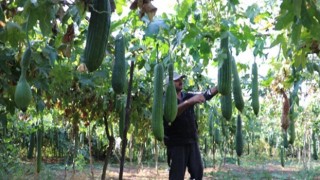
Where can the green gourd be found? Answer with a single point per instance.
(157, 106)
(255, 89)
(31, 145)
(224, 71)
(39, 145)
(314, 145)
(217, 133)
(122, 117)
(239, 138)
(292, 129)
(97, 35)
(285, 139)
(119, 68)
(236, 87)
(282, 156)
(226, 106)
(26, 58)
(2, 16)
(23, 94)
(170, 102)
(211, 124)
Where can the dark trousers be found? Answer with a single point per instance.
(182, 156)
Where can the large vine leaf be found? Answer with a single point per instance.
(119, 6)
(300, 58)
(286, 16)
(154, 28)
(2, 17)
(296, 32)
(75, 12)
(184, 9)
(50, 53)
(42, 11)
(14, 33)
(305, 16)
(252, 11)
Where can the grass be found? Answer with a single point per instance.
(252, 167)
(264, 167)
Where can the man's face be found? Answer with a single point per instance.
(178, 84)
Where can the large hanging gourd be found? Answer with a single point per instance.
(255, 90)
(236, 87)
(226, 106)
(118, 80)
(23, 94)
(170, 102)
(239, 138)
(224, 71)
(97, 35)
(157, 106)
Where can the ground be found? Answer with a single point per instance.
(249, 169)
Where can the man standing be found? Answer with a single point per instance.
(181, 136)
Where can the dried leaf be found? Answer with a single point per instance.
(285, 122)
(134, 5)
(150, 10)
(69, 35)
(140, 4)
(151, 15)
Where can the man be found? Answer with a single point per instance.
(181, 136)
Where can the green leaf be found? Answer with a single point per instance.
(195, 53)
(40, 105)
(234, 2)
(2, 17)
(284, 20)
(205, 61)
(296, 32)
(252, 11)
(258, 47)
(313, 10)
(45, 26)
(189, 36)
(315, 31)
(31, 14)
(248, 35)
(50, 53)
(300, 58)
(177, 40)
(75, 12)
(47, 13)
(297, 7)
(286, 15)
(267, 82)
(305, 17)
(154, 28)
(119, 5)
(14, 33)
(279, 40)
(205, 48)
(184, 9)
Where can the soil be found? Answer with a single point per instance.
(250, 169)
(227, 171)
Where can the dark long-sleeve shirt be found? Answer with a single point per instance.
(184, 129)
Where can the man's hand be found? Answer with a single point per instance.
(214, 90)
(199, 98)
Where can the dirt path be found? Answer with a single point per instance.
(227, 171)
(249, 170)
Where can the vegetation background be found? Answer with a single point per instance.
(71, 128)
